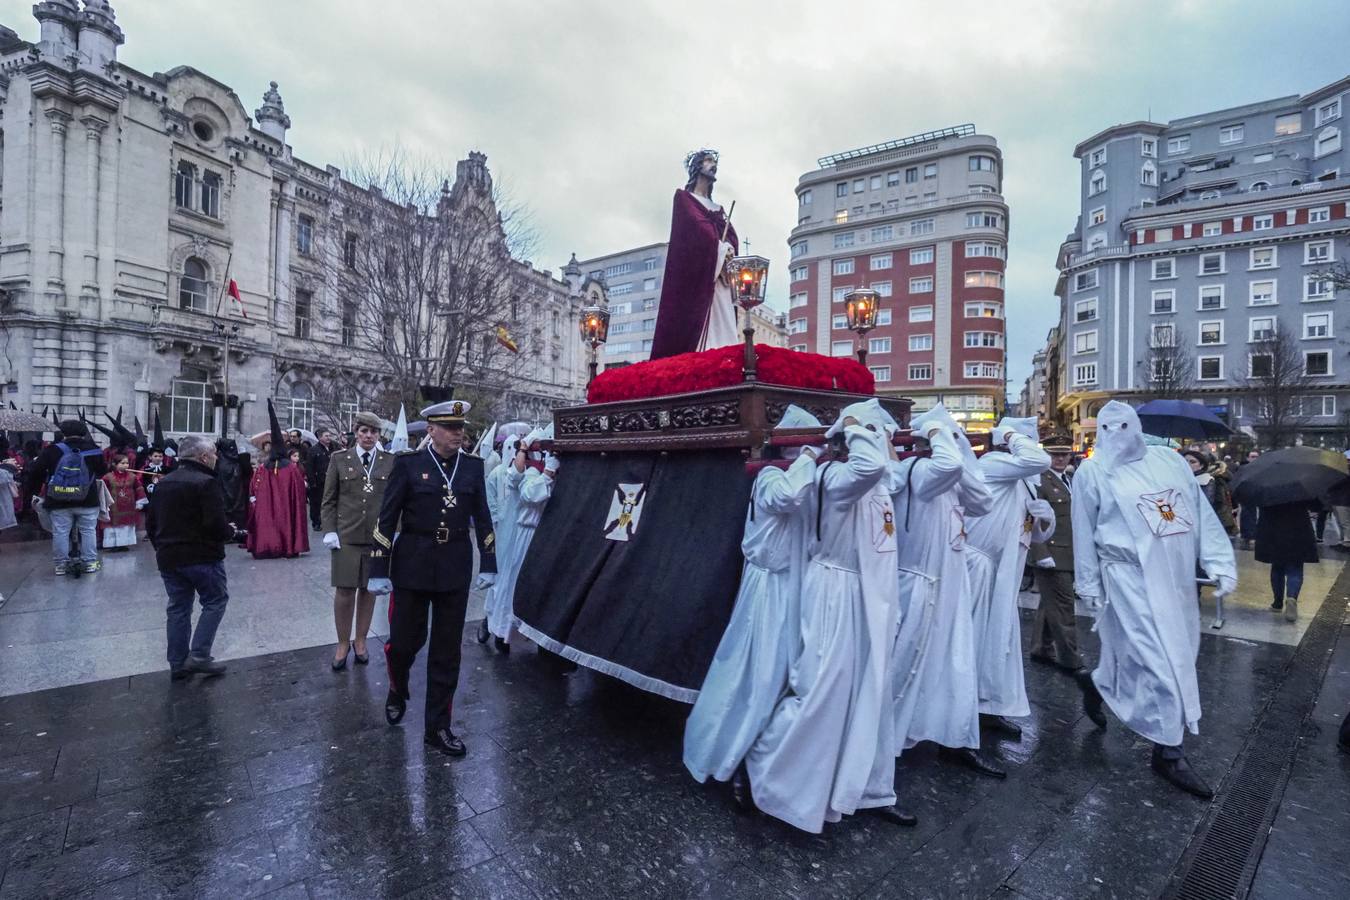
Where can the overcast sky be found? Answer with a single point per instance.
(586, 109)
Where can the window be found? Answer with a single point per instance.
(1289, 123)
(1085, 310)
(798, 249)
(649, 304)
(1163, 269)
(1317, 362)
(1083, 341)
(649, 284)
(1148, 147)
(192, 287)
(921, 372)
(1210, 368)
(800, 273)
(1098, 157)
(1319, 214)
(841, 348)
(1316, 325)
(649, 263)
(349, 324)
(920, 313)
(302, 407)
(1097, 216)
(920, 342)
(1211, 229)
(984, 310)
(1163, 336)
(1323, 405)
(797, 300)
(883, 288)
(844, 239)
(618, 290)
(1262, 258)
(883, 317)
(882, 233)
(1211, 333)
(1260, 328)
(879, 345)
(1231, 134)
(984, 248)
(912, 175)
(984, 279)
(892, 179)
(1261, 365)
(984, 220)
(839, 322)
(211, 194)
(841, 189)
(1211, 296)
(349, 249)
(880, 261)
(1097, 184)
(921, 256)
(1328, 111)
(930, 170)
(842, 267)
(1179, 144)
(1211, 264)
(1164, 301)
(189, 407)
(1162, 235)
(1316, 252)
(796, 326)
(182, 184)
(304, 235)
(1263, 223)
(920, 226)
(982, 163)
(1085, 281)
(1163, 368)
(304, 313)
(804, 198)
(983, 370)
(1262, 293)
(922, 285)
(881, 373)
(1318, 287)
(1084, 374)
(837, 294)
(1148, 174)
(859, 185)
(1328, 141)
(1263, 157)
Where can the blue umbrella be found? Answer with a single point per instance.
(1180, 419)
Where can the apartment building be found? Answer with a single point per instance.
(633, 278)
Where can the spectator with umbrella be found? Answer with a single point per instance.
(1284, 484)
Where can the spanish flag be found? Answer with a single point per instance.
(504, 338)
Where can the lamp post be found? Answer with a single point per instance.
(594, 331)
(861, 308)
(749, 279)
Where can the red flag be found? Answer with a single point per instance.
(238, 301)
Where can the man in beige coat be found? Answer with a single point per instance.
(352, 494)
(1055, 635)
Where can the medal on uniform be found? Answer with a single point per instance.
(367, 487)
(449, 500)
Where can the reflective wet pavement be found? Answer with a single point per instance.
(281, 777)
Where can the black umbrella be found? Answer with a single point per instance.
(1292, 475)
(1180, 419)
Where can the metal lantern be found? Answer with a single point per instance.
(860, 306)
(749, 280)
(594, 330)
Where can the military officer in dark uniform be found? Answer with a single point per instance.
(436, 493)
(1055, 636)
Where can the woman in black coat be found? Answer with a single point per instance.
(1284, 538)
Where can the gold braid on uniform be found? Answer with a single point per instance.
(381, 539)
(490, 540)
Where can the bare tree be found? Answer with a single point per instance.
(424, 273)
(1338, 275)
(1278, 384)
(1167, 369)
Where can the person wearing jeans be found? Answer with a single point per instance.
(71, 512)
(83, 520)
(189, 533)
(1285, 540)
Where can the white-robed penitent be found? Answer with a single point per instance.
(935, 690)
(1140, 525)
(826, 751)
(526, 495)
(1002, 536)
(749, 673)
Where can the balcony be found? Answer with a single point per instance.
(1219, 175)
(1230, 200)
(894, 212)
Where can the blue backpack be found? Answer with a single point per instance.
(71, 480)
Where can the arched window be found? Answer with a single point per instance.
(192, 285)
(302, 406)
(1149, 173)
(1259, 186)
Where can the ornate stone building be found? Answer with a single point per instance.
(129, 201)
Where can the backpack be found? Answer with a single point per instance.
(71, 480)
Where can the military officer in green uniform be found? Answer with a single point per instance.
(434, 496)
(353, 491)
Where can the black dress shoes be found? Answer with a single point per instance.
(1092, 698)
(740, 790)
(394, 708)
(502, 646)
(973, 760)
(444, 741)
(999, 724)
(1179, 772)
(483, 633)
(893, 815)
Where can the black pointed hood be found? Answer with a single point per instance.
(280, 455)
(159, 434)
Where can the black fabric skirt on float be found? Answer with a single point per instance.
(649, 610)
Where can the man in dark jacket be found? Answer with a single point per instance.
(317, 473)
(71, 512)
(190, 531)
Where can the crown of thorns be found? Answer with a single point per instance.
(694, 159)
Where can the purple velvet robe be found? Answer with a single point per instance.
(687, 287)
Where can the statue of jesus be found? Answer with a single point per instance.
(696, 311)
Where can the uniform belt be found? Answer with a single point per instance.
(440, 535)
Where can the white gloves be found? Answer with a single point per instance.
(330, 540)
(1041, 510)
(1225, 586)
(1092, 604)
(379, 586)
(485, 580)
(252, 499)
(140, 504)
(551, 463)
(1047, 563)
(1001, 435)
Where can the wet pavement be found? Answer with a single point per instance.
(281, 777)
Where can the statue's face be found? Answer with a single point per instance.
(708, 168)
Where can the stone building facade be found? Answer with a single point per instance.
(129, 201)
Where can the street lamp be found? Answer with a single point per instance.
(594, 331)
(861, 308)
(749, 279)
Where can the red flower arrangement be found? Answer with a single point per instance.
(721, 367)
